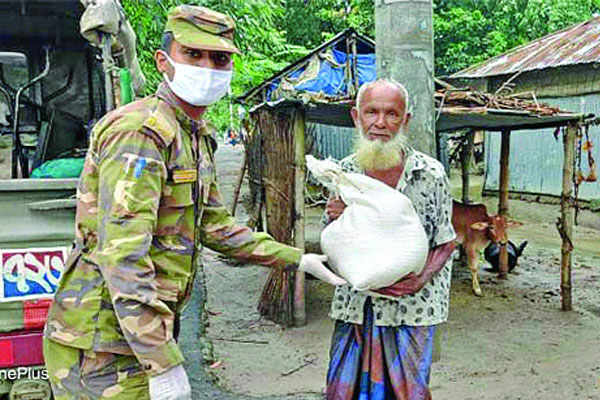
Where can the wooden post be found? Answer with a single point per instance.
(503, 202)
(465, 161)
(300, 171)
(240, 182)
(504, 173)
(565, 222)
(355, 83)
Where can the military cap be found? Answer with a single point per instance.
(201, 28)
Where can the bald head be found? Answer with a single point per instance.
(392, 84)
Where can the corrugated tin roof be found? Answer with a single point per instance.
(579, 44)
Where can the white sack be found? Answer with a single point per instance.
(379, 238)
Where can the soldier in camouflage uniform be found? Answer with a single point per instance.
(146, 203)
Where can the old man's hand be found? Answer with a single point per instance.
(313, 264)
(334, 208)
(409, 284)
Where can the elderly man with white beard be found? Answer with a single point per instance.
(382, 346)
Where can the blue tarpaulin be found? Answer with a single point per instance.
(330, 78)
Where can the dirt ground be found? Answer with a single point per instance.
(514, 343)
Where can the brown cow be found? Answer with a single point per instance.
(474, 229)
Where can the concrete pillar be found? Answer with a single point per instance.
(404, 36)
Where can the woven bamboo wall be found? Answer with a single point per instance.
(256, 161)
(278, 146)
(275, 136)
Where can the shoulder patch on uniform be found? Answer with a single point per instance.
(162, 122)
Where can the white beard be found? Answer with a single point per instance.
(379, 155)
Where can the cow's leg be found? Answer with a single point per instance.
(473, 257)
(462, 255)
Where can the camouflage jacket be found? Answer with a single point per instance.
(147, 201)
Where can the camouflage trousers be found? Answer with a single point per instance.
(77, 374)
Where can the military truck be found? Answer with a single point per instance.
(54, 84)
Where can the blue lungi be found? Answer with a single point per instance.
(369, 362)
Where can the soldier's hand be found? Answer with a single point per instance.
(313, 264)
(334, 208)
(170, 385)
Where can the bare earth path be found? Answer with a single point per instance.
(514, 343)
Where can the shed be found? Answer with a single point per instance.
(321, 88)
(560, 69)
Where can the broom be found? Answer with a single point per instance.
(276, 300)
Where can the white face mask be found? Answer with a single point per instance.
(196, 85)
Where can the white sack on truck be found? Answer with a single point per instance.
(379, 238)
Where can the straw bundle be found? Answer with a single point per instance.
(276, 301)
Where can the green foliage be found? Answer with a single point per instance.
(311, 22)
(301, 24)
(459, 48)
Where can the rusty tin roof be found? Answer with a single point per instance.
(578, 44)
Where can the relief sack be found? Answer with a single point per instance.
(379, 238)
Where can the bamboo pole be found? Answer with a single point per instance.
(465, 161)
(503, 203)
(238, 186)
(355, 84)
(565, 222)
(348, 73)
(299, 284)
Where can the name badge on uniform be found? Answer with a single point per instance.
(185, 175)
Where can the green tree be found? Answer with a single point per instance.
(455, 48)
